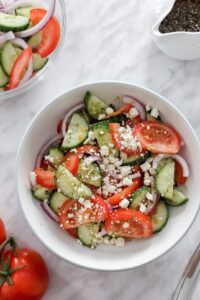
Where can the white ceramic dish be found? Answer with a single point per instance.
(107, 258)
(179, 45)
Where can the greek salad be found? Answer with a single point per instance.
(112, 172)
(29, 33)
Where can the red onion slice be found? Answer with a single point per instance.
(68, 115)
(177, 157)
(6, 37)
(137, 104)
(13, 5)
(41, 24)
(45, 147)
(151, 208)
(49, 211)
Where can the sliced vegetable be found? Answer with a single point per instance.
(56, 201)
(160, 217)
(2, 232)
(94, 106)
(71, 162)
(45, 178)
(137, 104)
(8, 57)
(165, 180)
(38, 62)
(87, 149)
(35, 40)
(177, 199)
(179, 178)
(125, 193)
(3, 78)
(24, 11)
(70, 186)
(139, 197)
(136, 159)
(157, 137)
(138, 225)
(13, 23)
(124, 109)
(77, 132)
(40, 192)
(55, 156)
(89, 174)
(87, 234)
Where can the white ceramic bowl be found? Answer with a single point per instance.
(179, 45)
(135, 253)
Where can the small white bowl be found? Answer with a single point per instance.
(180, 45)
(107, 258)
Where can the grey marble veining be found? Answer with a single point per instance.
(105, 40)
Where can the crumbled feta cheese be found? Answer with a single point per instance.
(123, 155)
(49, 158)
(104, 151)
(127, 181)
(87, 204)
(148, 108)
(90, 138)
(125, 170)
(111, 188)
(125, 225)
(81, 200)
(101, 116)
(109, 110)
(133, 112)
(145, 166)
(152, 171)
(149, 196)
(143, 208)
(59, 190)
(70, 216)
(154, 113)
(120, 242)
(80, 218)
(79, 242)
(124, 203)
(113, 241)
(106, 240)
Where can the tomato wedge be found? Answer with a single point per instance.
(90, 149)
(50, 32)
(179, 178)
(117, 140)
(157, 137)
(2, 232)
(122, 110)
(19, 68)
(133, 122)
(73, 214)
(72, 232)
(125, 193)
(45, 178)
(71, 162)
(138, 225)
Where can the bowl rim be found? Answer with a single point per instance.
(42, 111)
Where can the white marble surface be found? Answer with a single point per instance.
(105, 40)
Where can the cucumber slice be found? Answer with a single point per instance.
(138, 197)
(56, 201)
(135, 159)
(178, 198)
(94, 106)
(87, 234)
(163, 162)
(165, 180)
(3, 78)
(41, 193)
(34, 41)
(103, 136)
(56, 155)
(70, 186)
(89, 174)
(18, 50)
(117, 119)
(24, 11)
(77, 132)
(160, 218)
(86, 116)
(13, 23)
(38, 62)
(8, 57)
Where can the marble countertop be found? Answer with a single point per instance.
(105, 40)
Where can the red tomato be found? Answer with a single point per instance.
(179, 178)
(45, 178)
(29, 282)
(125, 193)
(71, 162)
(72, 232)
(19, 68)
(140, 225)
(157, 137)
(72, 215)
(117, 140)
(133, 122)
(124, 109)
(50, 32)
(2, 232)
(90, 149)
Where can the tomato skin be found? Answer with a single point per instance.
(45, 178)
(122, 110)
(125, 193)
(72, 232)
(71, 162)
(157, 137)
(97, 213)
(133, 122)
(50, 32)
(19, 68)
(2, 232)
(179, 178)
(140, 225)
(30, 282)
